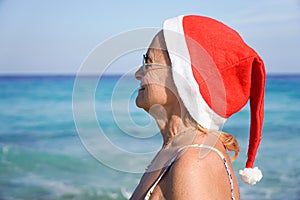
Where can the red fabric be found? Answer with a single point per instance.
(227, 71)
(257, 109)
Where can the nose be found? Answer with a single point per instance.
(139, 74)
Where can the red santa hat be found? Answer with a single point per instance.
(216, 73)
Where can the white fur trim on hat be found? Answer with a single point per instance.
(188, 88)
(251, 175)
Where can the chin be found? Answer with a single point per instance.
(140, 103)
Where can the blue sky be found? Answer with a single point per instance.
(52, 36)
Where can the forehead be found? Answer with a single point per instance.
(160, 56)
(158, 44)
(157, 51)
(153, 53)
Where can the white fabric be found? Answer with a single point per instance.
(186, 85)
(251, 175)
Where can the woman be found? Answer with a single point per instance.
(193, 162)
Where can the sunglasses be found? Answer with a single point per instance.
(150, 66)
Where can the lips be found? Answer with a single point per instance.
(142, 89)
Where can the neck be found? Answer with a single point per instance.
(170, 122)
(173, 126)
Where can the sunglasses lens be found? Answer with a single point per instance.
(143, 64)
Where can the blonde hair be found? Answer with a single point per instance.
(227, 139)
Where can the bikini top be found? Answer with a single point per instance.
(171, 162)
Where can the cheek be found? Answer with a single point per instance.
(156, 94)
(159, 89)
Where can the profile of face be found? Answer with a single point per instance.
(156, 84)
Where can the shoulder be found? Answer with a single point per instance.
(194, 172)
(199, 163)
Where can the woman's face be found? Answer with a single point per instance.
(157, 86)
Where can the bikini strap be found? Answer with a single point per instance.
(224, 161)
(166, 169)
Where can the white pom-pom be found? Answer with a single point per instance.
(251, 175)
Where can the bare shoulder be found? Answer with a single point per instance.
(196, 174)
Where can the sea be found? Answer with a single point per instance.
(82, 138)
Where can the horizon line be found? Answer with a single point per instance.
(120, 74)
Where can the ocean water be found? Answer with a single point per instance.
(91, 142)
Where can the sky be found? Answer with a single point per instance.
(55, 36)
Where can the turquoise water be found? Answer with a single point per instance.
(42, 155)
